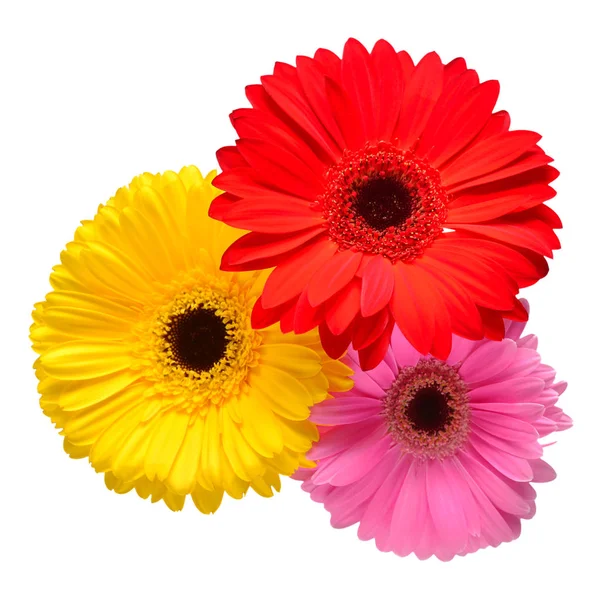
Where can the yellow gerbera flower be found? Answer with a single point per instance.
(148, 362)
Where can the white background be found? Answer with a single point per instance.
(92, 94)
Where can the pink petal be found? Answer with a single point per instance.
(542, 471)
(404, 352)
(378, 514)
(505, 427)
(487, 360)
(445, 507)
(511, 466)
(522, 389)
(338, 439)
(409, 511)
(342, 411)
(526, 411)
(352, 464)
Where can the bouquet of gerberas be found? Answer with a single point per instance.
(345, 312)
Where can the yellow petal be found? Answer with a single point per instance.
(245, 463)
(86, 301)
(316, 387)
(207, 502)
(85, 426)
(260, 427)
(285, 463)
(110, 441)
(296, 360)
(147, 245)
(77, 395)
(165, 444)
(259, 485)
(174, 501)
(285, 394)
(129, 460)
(82, 323)
(299, 435)
(117, 271)
(117, 485)
(211, 448)
(76, 451)
(182, 476)
(190, 176)
(80, 360)
(339, 376)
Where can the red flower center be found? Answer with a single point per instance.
(384, 200)
(427, 409)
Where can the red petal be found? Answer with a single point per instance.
(454, 69)
(499, 122)
(281, 168)
(487, 285)
(262, 317)
(523, 229)
(464, 315)
(372, 355)
(453, 97)
(356, 79)
(525, 267)
(221, 205)
(286, 321)
(229, 157)
(422, 92)
(518, 313)
(527, 162)
(312, 80)
(493, 324)
(253, 124)
(366, 331)
(546, 214)
(488, 156)
(307, 317)
(266, 215)
(330, 63)
(377, 285)
(346, 115)
(333, 275)
(260, 250)
(292, 103)
(242, 182)
(406, 64)
(344, 308)
(333, 345)
(442, 340)
(484, 206)
(409, 306)
(464, 122)
(289, 278)
(387, 95)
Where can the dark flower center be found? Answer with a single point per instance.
(428, 410)
(383, 202)
(198, 339)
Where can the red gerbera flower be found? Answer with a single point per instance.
(383, 191)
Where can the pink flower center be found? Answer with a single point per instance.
(384, 200)
(427, 409)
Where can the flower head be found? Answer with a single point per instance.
(437, 457)
(385, 193)
(148, 361)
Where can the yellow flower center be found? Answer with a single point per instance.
(196, 342)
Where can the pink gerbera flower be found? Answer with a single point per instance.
(437, 457)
